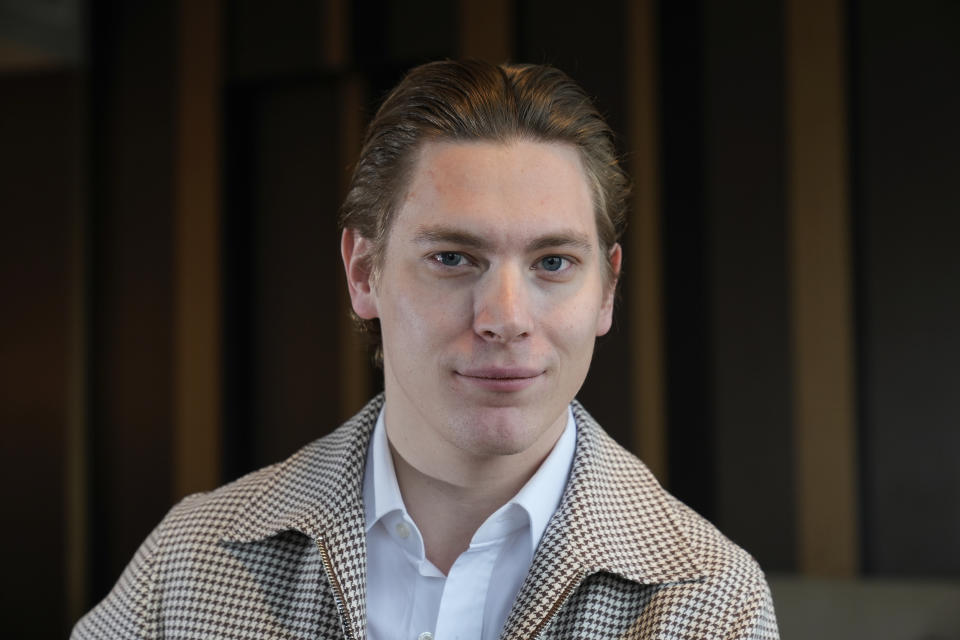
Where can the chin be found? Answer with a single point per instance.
(504, 433)
(488, 448)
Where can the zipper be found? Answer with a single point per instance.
(573, 582)
(338, 595)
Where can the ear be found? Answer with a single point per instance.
(357, 252)
(605, 318)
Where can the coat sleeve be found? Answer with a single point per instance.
(755, 619)
(130, 609)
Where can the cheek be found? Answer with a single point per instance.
(419, 316)
(573, 329)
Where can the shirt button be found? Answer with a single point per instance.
(404, 532)
(426, 635)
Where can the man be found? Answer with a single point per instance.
(475, 498)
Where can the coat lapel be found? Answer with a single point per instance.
(614, 517)
(318, 492)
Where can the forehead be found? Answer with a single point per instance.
(499, 190)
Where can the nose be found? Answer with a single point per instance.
(502, 306)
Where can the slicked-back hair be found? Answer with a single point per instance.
(470, 101)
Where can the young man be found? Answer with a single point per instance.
(474, 498)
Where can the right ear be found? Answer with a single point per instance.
(357, 252)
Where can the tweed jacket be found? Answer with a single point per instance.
(281, 553)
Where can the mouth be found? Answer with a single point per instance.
(501, 379)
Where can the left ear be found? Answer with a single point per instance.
(357, 253)
(605, 317)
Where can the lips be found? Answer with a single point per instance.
(501, 379)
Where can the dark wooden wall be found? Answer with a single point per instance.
(40, 123)
(906, 89)
(785, 352)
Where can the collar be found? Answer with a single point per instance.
(613, 517)
(532, 506)
(381, 493)
(316, 490)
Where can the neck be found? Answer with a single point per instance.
(449, 502)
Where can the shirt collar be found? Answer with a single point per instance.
(533, 505)
(542, 493)
(381, 493)
(613, 517)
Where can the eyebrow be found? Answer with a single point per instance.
(440, 234)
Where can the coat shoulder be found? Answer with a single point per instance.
(240, 560)
(664, 571)
(211, 514)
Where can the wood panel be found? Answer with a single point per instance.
(905, 146)
(42, 482)
(77, 427)
(197, 325)
(823, 370)
(487, 30)
(131, 292)
(746, 272)
(356, 372)
(643, 268)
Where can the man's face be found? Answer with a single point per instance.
(490, 295)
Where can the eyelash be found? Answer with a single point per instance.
(440, 255)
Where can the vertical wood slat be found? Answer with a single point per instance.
(354, 372)
(197, 330)
(77, 489)
(487, 30)
(642, 264)
(354, 354)
(336, 41)
(821, 290)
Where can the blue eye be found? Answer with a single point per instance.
(449, 258)
(552, 263)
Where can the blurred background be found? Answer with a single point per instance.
(786, 356)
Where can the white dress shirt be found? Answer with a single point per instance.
(408, 597)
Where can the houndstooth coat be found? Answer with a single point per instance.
(281, 553)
